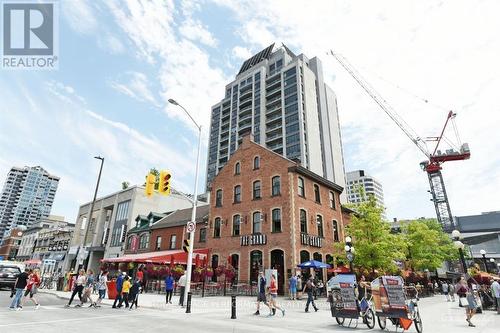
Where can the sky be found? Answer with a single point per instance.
(120, 62)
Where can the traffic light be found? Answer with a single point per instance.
(164, 186)
(150, 184)
(185, 247)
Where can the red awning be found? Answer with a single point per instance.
(159, 257)
(32, 262)
(339, 269)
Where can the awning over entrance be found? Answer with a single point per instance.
(161, 257)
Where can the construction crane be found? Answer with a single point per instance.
(434, 159)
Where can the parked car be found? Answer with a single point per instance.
(8, 275)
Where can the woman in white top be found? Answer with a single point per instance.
(78, 287)
(102, 286)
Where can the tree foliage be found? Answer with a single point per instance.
(125, 185)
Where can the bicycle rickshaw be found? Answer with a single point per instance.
(395, 302)
(345, 305)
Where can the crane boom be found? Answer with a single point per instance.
(384, 105)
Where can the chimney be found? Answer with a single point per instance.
(246, 136)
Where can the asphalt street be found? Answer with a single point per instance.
(213, 315)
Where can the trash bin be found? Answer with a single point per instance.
(111, 289)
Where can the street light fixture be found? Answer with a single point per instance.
(195, 201)
(349, 249)
(455, 234)
(483, 254)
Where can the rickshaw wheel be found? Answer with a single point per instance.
(382, 322)
(418, 323)
(340, 320)
(369, 319)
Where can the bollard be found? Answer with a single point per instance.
(233, 306)
(188, 305)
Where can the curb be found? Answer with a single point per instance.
(54, 293)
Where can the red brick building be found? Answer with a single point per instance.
(10, 244)
(269, 212)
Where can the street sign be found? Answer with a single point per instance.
(191, 227)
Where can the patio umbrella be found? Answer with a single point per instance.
(313, 264)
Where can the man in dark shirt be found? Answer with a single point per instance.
(21, 282)
(261, 297)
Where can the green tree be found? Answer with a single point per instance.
(427, 245)
(125, 185)
(375, 247)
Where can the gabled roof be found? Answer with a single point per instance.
(181, 217)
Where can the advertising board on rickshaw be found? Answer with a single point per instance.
(343, 302)
(389, 297)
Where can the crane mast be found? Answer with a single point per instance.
(433, 165)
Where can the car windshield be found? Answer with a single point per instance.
(9, 270)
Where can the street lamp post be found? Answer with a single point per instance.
(195, 201)
(349, 249)
(483, 254)
(89, 219)
(455, 234)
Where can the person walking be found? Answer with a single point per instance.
(261, 295)
(125, 291)
(119, 285)
(182, 284)
(292, 287)
(139, 276)
(273, 291)
(451, 291)
(102, 287)
(78, 288)
(19, 285)
(309, 289)
(446, 291)
(299, 286)
(467, 300)
(495, 291)
(89, 288)
(169, 288)
(134, 293)
(32, 288)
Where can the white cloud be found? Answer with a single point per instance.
(111, 43)
(80, 15)
(195, 31)
(137, 87)
(446, 52)
(240, 52)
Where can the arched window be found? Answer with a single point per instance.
(332, 200)
(237, 168)
(301, 189)
(317, 196)
(256, 162)
(129, 242)
(255, 264)
(304, 256)
(256, 223)
(303, 221)
(335, 231)
(237, 194)
(218, 198)
(236, 225)
(319, 222)
(256, 189)
(217, 223)
(276, 214)
(276, 185)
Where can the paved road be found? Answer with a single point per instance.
(212, 315)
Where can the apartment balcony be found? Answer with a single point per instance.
(253, 239)
(275, 139)
(245, 94)
(270, 118)
(246, 117)
(245, 103)
(311, 240)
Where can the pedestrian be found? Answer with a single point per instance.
(139, 276)
(451, 291)
(169, 288)
(467, 300)
(119, 285)
(292, 287)
(273, 291)
(182, 283)
(78, 286)
(299, 286)
(261, 295)
(320, 288)
(102, 287)
(445, 289)
(495, 291)
(89, 288)
(19, 285)
(309, 289)
(362, 286)
(133, 297)
(125, 291)
(32, 288)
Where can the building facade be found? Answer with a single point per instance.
(139, 237)
(27, 197)
(371, 186)
(283, 100)
(9, 247)
(267, 211)
(112, 217)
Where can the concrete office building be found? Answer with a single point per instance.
(27, 197)
(283, 99)
(360, 179)
(112, 217)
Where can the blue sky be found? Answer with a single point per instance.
(120, 61)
